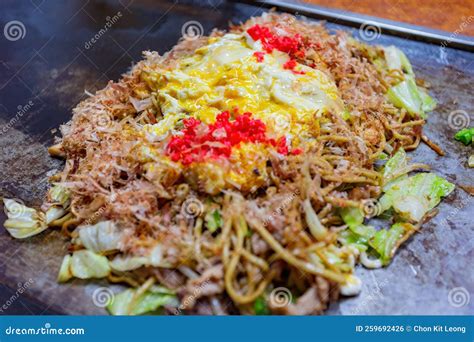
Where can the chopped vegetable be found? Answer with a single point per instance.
(22, 221)
(337, 257)
(129, 263)
(53, 213)
(396, 59)
(260, 306)
(414, 196)
(59, 195)
(385, 241)
(394, 166)
(132, 302)
(59, 198)
(65, 270)
(84, 264)
(358, 234)
(315, 226)
(352, 216)
(123, 264)
(101, 237)
(349, 238)
(406, 94)
(213, 220)
(427, 102)
(364, 231)
(470, 161)
(465, 135)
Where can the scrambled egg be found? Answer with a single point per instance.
(226, 75)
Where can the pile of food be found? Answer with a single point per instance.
(240, 167)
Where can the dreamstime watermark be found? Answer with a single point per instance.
(192, 30)
(458, 119)
(46, 330)
(102, 297)
(457, 207)
(375, 294)
(99, 212)
(22, 287)
(21, 110)
(282, 123)
(189, 300)
(464, 24)
(104, 121)
(110, 21)
(278, 211)
(14, 30)
(371, 207)
(192, 208)
(458, 297)
(369, 31)
(280, 297)
(464, 246)
(15, 208)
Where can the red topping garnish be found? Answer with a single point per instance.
(292, 45)
(297, 151)
(281, 146)
(259, 55)
(291, 65)
(198, 142)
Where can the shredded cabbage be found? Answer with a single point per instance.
(358, 234)
(58, 194)
(396, 59)
(349, 238)
(352, 216)
(385, 241)
(395, 166)
(101, 237)
(54, 213)
(406, 94)
(412, 197)
(84, 264)
(59, 198)
(65, 270)
(132, 302)
(22, 221)
(127, 263)
(427, 102)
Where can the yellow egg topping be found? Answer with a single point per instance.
(227, 75)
